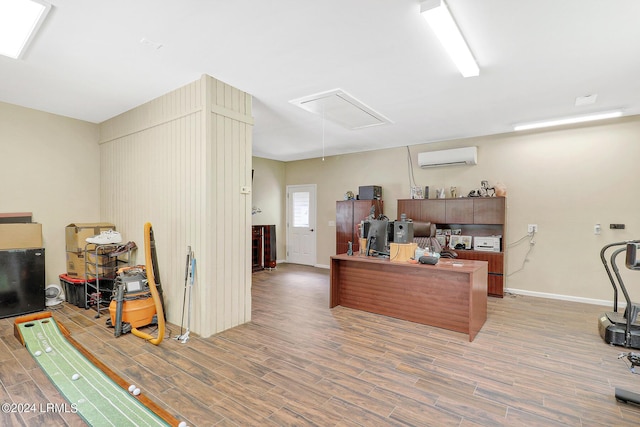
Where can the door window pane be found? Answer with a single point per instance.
(301, 209)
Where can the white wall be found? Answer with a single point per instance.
(565, 180)
(50, 167)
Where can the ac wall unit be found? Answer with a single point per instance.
(453, 157)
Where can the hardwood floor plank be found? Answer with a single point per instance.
(536, 362)
(317, 415)
(360, 416)
(264, 404)
(12, 372)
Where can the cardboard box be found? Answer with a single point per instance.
(76, 262)
(76, 234)
(402, 252)
(20, 236)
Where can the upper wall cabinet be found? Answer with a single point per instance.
(490, 210)
(432, 210)
(459, 211)
(464, 210)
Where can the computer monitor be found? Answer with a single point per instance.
(376, 232)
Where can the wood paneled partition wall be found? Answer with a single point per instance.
(180, 162)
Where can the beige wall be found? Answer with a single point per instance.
(50, 167)
(565, 180)
(268, 194)
(180, 162)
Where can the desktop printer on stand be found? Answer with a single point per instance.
(489, 243)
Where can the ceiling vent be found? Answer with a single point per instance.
(340, 107)
(453, 157)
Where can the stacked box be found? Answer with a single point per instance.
(20, 236)
(76, 234)
(75, 242)
(14, 217)
(402, 252)
(96, 264)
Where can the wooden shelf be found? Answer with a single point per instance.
(263, 247)
(475, 216)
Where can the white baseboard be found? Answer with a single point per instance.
(562, 297)
(315, 265)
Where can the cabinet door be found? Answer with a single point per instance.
(459, 211)
(495, 285)
(434, 211)
(362, 209)
(344, 225)
(410, 207)
(489, 210)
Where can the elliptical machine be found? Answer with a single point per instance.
(630, 337)
(621, 328)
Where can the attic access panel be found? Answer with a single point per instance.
(340, 107)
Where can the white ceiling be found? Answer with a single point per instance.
(536, 57)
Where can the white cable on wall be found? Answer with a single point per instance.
(526, 255)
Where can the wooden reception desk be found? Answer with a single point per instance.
(451, 294)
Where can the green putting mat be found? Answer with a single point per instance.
(95, 396)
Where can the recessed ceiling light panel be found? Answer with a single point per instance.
(19, 22)
(338, 106)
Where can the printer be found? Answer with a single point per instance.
(488, 243)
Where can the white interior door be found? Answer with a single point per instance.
(301, 224)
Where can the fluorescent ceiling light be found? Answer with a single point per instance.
(19, 21)
(436, 13)
(568, 120)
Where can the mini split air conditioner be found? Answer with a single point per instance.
(455, 156)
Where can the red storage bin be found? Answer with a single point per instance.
(74, 289)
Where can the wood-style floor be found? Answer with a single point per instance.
(536, 362)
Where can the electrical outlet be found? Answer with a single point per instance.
(532, 228)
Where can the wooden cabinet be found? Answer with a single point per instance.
(489, 210)
(430, 210)
(263, 247)
(349, 213)
(476, 216)
(459, 211)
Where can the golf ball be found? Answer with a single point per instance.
(182, 424)
(136, 391)
(38, 353)
(75, 377)
(131, 388)
(48, 349)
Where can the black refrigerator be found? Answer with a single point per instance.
(21, 281)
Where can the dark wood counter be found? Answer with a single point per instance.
(451, 294)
